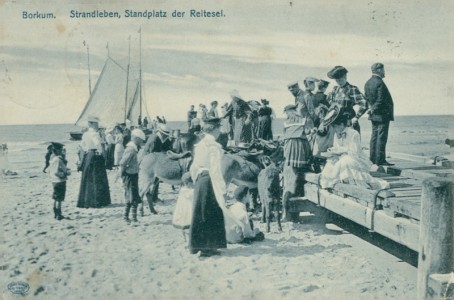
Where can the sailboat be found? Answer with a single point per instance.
(116, 97)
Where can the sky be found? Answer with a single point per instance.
(256, 48)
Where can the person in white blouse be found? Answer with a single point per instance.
(347, 163)
(207, 231)
(94, 186)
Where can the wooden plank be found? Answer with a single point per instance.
(360, 192)
(311, 177)
(400, 230)
(409, 207)
(407, 193)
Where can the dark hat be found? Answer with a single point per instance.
(311, 79)
(323, 83)
(337, 72)
(57, 146)
(240, 192)
(290, 107)
(292, 84)
(376, 66)
(264, 101)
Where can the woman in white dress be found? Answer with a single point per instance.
(346, 162)
(119, 148)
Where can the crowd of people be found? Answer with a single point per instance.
(316, 124)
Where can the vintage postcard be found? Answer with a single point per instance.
(148, 149)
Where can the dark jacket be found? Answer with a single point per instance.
(154, 144)
(380, 101)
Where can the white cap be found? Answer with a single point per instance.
(162, 128)
(138, 133)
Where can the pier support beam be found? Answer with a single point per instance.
(436, 239)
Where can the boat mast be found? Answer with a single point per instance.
(140, 71)
(89, 75)
(127, 79)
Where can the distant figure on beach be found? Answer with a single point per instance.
(265, 121)
(4, 147)
(110, 148)
(346, 161)
(139, 121)
(225, 122)
(213, 112)
(145, 123)
(94, 185)
(207, 232)
(242, 119)
(129, 172)
(191, 115)
(347, 96)
(59, 174)
(195, 127)
(381, 112)
(298, 154)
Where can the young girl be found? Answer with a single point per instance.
(347, 162)
(59, 174)
(182, 215)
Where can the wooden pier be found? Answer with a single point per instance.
(396, 213)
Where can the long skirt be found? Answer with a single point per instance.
(110, 153)
(243, 133)
(207, 230)
(94, 185)
(352, 170)
(265, 131)
(118, 153)
(297, 152)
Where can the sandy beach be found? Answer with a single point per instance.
(95, 255)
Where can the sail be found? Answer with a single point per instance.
(134, 107)
(107, 101)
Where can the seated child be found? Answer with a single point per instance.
(239, 211)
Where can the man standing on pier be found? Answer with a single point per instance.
(381, 112)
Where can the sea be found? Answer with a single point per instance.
(415, 135)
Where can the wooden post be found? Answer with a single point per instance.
(436, 239)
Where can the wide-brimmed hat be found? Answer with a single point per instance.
(235, 94)
(290, 107)
(162, 128)
(264, 101)
(292, 84)
(333, 113)
(57, 146)
(376, 66)
(311, 79)
(212, 121)
(139, 133)
(93, 119)
(337, 72)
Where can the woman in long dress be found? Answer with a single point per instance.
(119, 147)
(207, 231)
(94, 185)
(347, 163)
(265, 130)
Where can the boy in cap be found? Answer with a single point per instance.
(346, 96)
(129, 171)
(59, 174)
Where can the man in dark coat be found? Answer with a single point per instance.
(381, 113)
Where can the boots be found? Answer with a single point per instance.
(127, 209)
(55, 213)
(152, 210)
(59, 215)
(134, 213)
